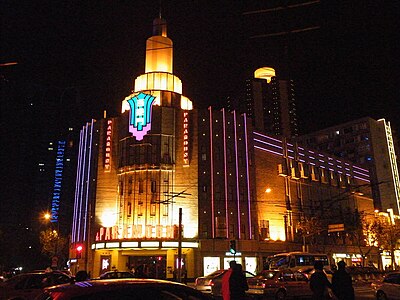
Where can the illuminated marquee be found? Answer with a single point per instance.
(185, 138)
(107, 155)
(136, 232)
(140, 114)
(58, 176)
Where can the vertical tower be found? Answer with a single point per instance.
(270, 102)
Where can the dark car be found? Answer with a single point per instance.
(116, 275)
(388, 288)
(279, 284)
(122, 289)
(28, 285)
(216, 288)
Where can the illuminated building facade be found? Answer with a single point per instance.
(367, 142)
(162, 166)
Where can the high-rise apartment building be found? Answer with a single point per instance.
(269, 101)
(370, 143)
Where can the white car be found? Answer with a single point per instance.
(389, 287)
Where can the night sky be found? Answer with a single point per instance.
(345, 69)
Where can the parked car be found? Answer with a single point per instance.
(205, 283)
(116, 275)
(123, 289)
(279, 284)
(29, 285)
(388, 287)
(216, 287)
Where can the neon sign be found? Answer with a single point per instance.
(107, 158)
(136, 232)
(140, 115)
(185, 138)
(58, 175)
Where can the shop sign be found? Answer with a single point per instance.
(135, 232)
(185, 138)
(107, 156)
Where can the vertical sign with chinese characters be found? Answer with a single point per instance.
(107, 155)
(185, 138)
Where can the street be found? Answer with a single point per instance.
(363, 291)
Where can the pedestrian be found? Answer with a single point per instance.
(342, 285)
(319, 283)
(234, 283)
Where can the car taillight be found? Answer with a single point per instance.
(211, 282)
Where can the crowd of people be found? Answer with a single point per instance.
(340, 288)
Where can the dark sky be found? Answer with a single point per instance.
(346, 69)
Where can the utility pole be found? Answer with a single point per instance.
(179, 277)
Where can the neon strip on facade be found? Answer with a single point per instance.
(58, 177)
(225, 177)
(393, 162)
(212, 175)
(237, 177)
(247, 175)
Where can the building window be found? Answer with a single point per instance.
(152, 210)
(129, 212)
(140, 186)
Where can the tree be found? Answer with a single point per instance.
(52, 243)
(309, 228)
(386, 235)
(359, 228)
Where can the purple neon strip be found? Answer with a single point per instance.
(301, 148)
(363, 179)
(360, 173)
(302, 160)
(79, 238)
(237, 177)
(77, 190)
(302, 154)
(225, 176)
(312, 164)
(292, 157)
(269, 144)
(365, 170)
(311, 157)
(212, 174)
(88, 182)
(248, 176)
(267, 137)
(280, 154)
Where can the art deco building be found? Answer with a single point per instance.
(367, 142)
(165, 186)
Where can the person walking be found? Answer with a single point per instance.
(342, 285)
(319, 283)
(234, 283)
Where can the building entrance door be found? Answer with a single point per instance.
(149, 266)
